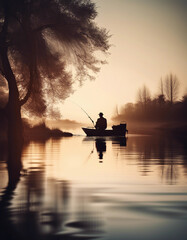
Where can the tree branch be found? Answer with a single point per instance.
(2, 73)
(41, 28)
(29, 91)
(6, 67)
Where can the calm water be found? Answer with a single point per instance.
(97, 188)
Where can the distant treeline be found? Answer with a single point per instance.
(165, 107)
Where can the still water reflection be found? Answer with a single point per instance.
(97, 188)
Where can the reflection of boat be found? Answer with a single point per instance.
(117, 130)
(122, 141)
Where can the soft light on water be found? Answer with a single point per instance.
(103, 188)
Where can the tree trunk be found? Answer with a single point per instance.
(13, 110)
(15, 138)
(15, 129)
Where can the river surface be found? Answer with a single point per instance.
(97, 188)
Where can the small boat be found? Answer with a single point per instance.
(117, 130)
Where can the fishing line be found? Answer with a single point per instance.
(84, 112)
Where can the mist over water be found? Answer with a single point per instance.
(97, 188)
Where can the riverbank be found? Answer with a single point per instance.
(35, 132)
(42, 132)
(177, 129)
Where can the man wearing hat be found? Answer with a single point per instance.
(101, 123)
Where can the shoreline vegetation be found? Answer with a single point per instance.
(42, 132)
(163, 113)
(175, 129)
(39, 131)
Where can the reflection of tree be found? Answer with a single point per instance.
(14, 167)
(184, 148)
(43, 208)
(144, 159)
(33, 217)
(169, 171)
(160, 151)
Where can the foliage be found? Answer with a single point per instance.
(161, 108)
(50, 44)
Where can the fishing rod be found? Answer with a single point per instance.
(86, 114)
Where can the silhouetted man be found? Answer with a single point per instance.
(101, 123)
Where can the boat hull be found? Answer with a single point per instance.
(107, 132)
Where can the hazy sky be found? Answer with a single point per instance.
(149, 41)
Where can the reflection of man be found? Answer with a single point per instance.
(101, 123)
(100, 146)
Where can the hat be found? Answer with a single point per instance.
(100, 114)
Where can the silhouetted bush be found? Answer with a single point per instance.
(42, 132)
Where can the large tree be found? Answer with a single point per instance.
(45, 45)
(171, 88)
(143, 97)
